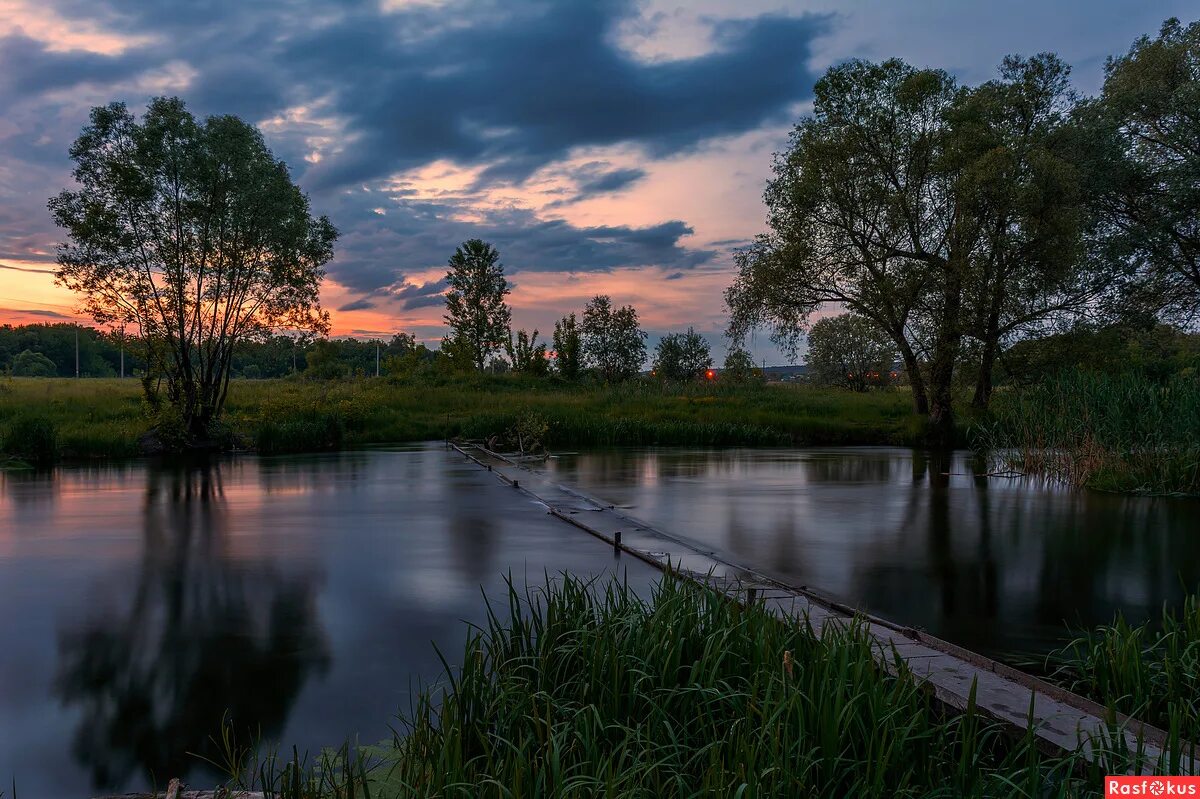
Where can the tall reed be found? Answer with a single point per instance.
(1150, 671)
(1113, 432)
(583, 690)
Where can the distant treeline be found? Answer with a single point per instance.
(48, 350)
(1157, 352)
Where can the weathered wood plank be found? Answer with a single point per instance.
(1061, 720)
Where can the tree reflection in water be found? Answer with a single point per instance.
(203, 632)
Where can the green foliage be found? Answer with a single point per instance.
(568, 348)
(476, 311)
(1157, 353)
(202, 213)
(682, 356)
(581, 690)
(849, 351)
(99, 353)
(940, 213)
(1148, 111)
(528, 433)
(32, 364)
(1150, 671)
(105, 418)
(30, 438)
(527, 356)
(1120, 432)
(612, 342)
(739, 367)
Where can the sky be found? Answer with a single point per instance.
(604, 147)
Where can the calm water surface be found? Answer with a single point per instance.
(138, 603)
(996, 565)
(302, 594)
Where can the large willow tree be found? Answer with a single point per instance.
(943, 215)
(191, 233)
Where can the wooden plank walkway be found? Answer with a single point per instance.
(1062, 720)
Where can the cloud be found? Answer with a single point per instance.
(26, 269)
(511, 86)
(420, 295)
(352, 94)
(595, 178)
(419, 235)
(37, 312)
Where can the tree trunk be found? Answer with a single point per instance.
(987, 362)
(945, 353)
(916, 380)
(983, 385)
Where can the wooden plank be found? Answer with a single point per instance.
(1062, 720)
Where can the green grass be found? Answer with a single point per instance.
(586, 690)
(1149, 671)
(103, 418)
(1109, 432)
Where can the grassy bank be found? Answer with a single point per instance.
(590, 691)
(104, 418)
(1149, 671)
(1110, 432)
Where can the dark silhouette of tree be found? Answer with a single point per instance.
(847, 350)
(613, 343)
(682, 356)
(476, 312)
(526, 355)
(192, 234)
(1148, 111)
(202, 636)
(568, 348)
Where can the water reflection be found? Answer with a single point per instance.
(994, 564)
(198, 631)
(306, 594)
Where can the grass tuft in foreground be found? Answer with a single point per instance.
(1150, 671)
(583, 690)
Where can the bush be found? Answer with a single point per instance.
(319, 432)
(31, 438)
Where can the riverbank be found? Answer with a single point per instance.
(104, 418)
(587, 689)
(1124, 433)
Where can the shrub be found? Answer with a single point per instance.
(31, 438)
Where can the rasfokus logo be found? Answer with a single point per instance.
(1151, 786)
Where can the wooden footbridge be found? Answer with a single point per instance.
(1061, 720)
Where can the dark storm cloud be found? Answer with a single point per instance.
(37, 312)
(615, 180)
(357, 305)
(596, 178)
(419, 235)
(28, 67)
(517, 91)
(509, 87)
(512, 86)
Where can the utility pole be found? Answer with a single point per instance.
(377, 357)
(122, 352)
(76, 352)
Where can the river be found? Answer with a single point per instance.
(304, 594)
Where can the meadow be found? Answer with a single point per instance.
(49, 419)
